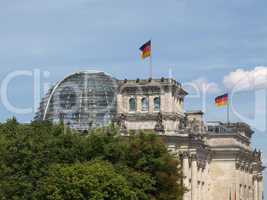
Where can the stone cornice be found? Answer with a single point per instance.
(227, 135)
(145, 87)
(189, 140)
(139, 116)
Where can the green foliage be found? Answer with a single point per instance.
(45, 161)
(96, 180)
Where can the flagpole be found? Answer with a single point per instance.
(150, 62)
(228, 110)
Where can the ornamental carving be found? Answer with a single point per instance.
(159, 125)
(256, 155)
(182, 123)
(121, 122)
(185, 155)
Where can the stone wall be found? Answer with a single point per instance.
(217, 165)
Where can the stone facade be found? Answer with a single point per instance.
(218, 159)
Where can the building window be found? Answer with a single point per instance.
(144, 102)
(156, 104)
(132, 104)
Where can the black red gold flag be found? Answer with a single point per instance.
(146, 49)
(221, 100)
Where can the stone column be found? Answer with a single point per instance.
(200, 183)
(186, 174)
(138, 104)
(206, 182)
(255, 183)
(202, 190)
(237, 180)
(250, 184)
(198, 188)
(243, 182)
(150, 104)
(194, 178)
(260, 187)
(203, 183)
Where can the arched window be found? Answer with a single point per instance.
(132, 104)
(144, 102)
(156, 104)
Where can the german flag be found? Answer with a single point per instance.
(146, 49)
(221, 100)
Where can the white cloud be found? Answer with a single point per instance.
(202, 85)
(241, 79)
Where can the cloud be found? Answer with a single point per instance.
(243, 80)
(202, 85)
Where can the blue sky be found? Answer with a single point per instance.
(195, 40)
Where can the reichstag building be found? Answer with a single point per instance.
(218, 159)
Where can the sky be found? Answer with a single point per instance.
(210, 46)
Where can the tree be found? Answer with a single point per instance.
(147, 152)
(96, 180)
(33, 154)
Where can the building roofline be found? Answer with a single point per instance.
(195, 112)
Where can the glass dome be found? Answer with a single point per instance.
(83, 100)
